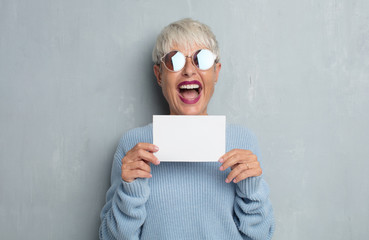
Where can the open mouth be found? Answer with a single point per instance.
(190, 91)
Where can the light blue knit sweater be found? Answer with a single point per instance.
(186, 200)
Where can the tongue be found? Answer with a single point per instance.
(190, 94)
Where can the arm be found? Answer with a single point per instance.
(252, 207)
(124, 212)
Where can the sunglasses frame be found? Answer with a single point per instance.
(190, 56)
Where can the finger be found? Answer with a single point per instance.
(233, 160)
(242, 157)
(147, 156)
(248, 173)
(131, 175)
(232, 152)
(146, 146)
(248, 166)
(230, 162)
(142, 165)
(137, 173)
(235, 172)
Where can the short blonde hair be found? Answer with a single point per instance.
(185, 33)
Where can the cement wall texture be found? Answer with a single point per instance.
(76, 75)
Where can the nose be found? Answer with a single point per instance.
(189, 69)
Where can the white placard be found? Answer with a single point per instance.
(187, 138)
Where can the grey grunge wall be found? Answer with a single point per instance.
(76, 75)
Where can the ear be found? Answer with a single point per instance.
(218, 66)
(157, 73)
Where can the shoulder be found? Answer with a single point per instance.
(136, 135)
(240, 137)
(238, 131)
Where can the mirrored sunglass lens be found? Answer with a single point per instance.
(174, 61)
(204, 59)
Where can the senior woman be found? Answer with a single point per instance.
(147, 199)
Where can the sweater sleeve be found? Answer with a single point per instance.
(124, 212)
(253, 209)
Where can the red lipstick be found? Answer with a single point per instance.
(189, 95)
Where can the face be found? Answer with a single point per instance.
(176, 86)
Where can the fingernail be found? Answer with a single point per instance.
(158, 162)
(227, 181)
(221, 160)
(234, 180)
(221, 168)
(156, 148)
(150, 176)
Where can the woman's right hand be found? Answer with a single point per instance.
(136, 163)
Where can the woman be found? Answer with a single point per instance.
(153, 200)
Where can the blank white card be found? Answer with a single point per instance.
(184, 138)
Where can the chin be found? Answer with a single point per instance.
(192, 111)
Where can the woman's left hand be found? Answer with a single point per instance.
(243, 163)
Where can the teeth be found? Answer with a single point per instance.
(189, 86)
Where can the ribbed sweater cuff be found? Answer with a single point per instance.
(249, 185)
(137, 188)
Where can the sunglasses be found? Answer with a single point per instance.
(175, 61)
